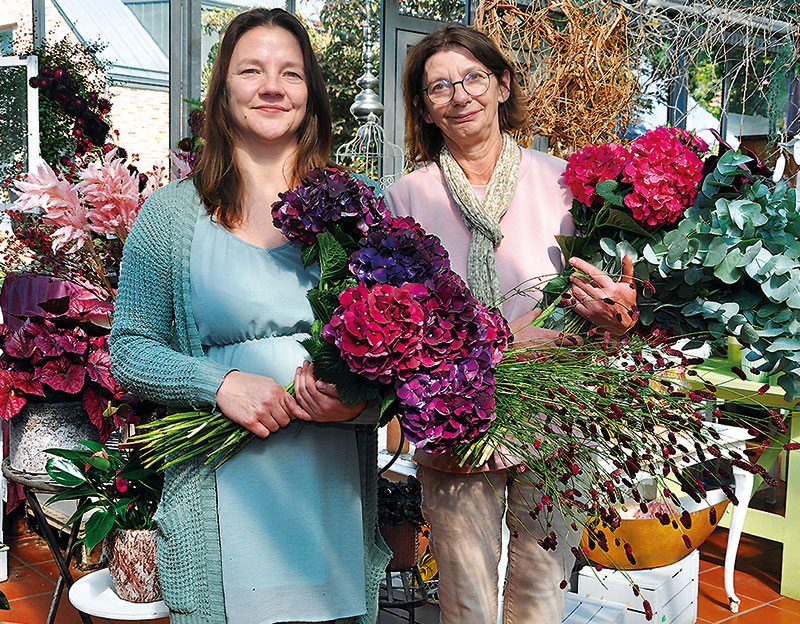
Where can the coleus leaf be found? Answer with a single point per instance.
(11, 400)
(61, 374)
(20, 344)
(95, 404)
(47, 344)
(26, 382)
(98, 367)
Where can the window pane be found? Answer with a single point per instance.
(13, 125)
(441, 10)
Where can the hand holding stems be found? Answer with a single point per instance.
(528, 335)
(257, 403)
(319, 399)
(603, 301)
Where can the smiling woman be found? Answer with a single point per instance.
(211, 310)
(496, 208)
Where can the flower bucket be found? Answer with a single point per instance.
(132, 565)
(653, 544)
(402, 540)
(41, 426)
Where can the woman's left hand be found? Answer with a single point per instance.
(319, 399)
(602, 301)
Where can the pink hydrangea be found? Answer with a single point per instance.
(665, 171)
(591, 165)
(379, 330)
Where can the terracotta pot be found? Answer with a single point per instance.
(41, 426)
(402, 540)
(393, 437)
(653, 544)
(132, 565)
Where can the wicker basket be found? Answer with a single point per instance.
(403, 540)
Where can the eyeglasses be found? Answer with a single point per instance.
(443, 91)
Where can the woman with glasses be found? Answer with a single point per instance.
(497, 208)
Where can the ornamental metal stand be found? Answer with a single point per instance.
(369, 153)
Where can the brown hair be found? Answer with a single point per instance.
(216, 176)
(424, 139)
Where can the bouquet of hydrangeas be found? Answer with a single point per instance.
(392, 324)
(719, 248)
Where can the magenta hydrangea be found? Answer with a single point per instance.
(328, 196)
(591, 165)
(378, 330)
(665, 171)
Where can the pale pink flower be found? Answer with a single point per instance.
(60, 204)
(112, 193)
(182, 167)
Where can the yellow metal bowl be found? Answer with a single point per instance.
(653, 544)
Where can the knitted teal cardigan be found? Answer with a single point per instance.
(156, 354)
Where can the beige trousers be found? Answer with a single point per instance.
(465, 512)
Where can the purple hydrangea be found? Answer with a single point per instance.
(401, 253)
(328, 195)
(447, 420)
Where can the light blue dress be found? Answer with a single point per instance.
(289, 506)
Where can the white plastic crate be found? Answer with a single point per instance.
(671, 590)
(582, 610)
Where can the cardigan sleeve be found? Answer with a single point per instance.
(143, 360)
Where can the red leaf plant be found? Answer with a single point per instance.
(61, 353)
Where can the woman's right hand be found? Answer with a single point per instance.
(257, 403)
(527, 335)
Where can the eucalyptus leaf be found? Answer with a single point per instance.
(608, 245)
(784, 344)
(726, 270)
(717, 251)
(748, 334)
(750, 254)
(649, 254)
(693, 275)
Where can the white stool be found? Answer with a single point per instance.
(93, 594)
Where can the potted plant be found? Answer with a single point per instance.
(400, 519)
(55, 379)
(118, 496)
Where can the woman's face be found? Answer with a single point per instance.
(466, 120)
(267, 92)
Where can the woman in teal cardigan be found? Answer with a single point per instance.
(210, 309)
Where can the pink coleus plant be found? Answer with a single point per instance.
(61, 351)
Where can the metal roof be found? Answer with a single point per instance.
(133, 54)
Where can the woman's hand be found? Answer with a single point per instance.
(319, 399)
(528, 336)
(602, 301)
(257, 403)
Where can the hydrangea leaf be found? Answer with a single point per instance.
(624, 221)
(333, 260)
(607, 189)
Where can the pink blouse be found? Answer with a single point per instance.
(538, 212)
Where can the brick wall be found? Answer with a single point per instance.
(142, 118)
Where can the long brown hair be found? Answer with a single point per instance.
(216, 176)
(424, 139)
